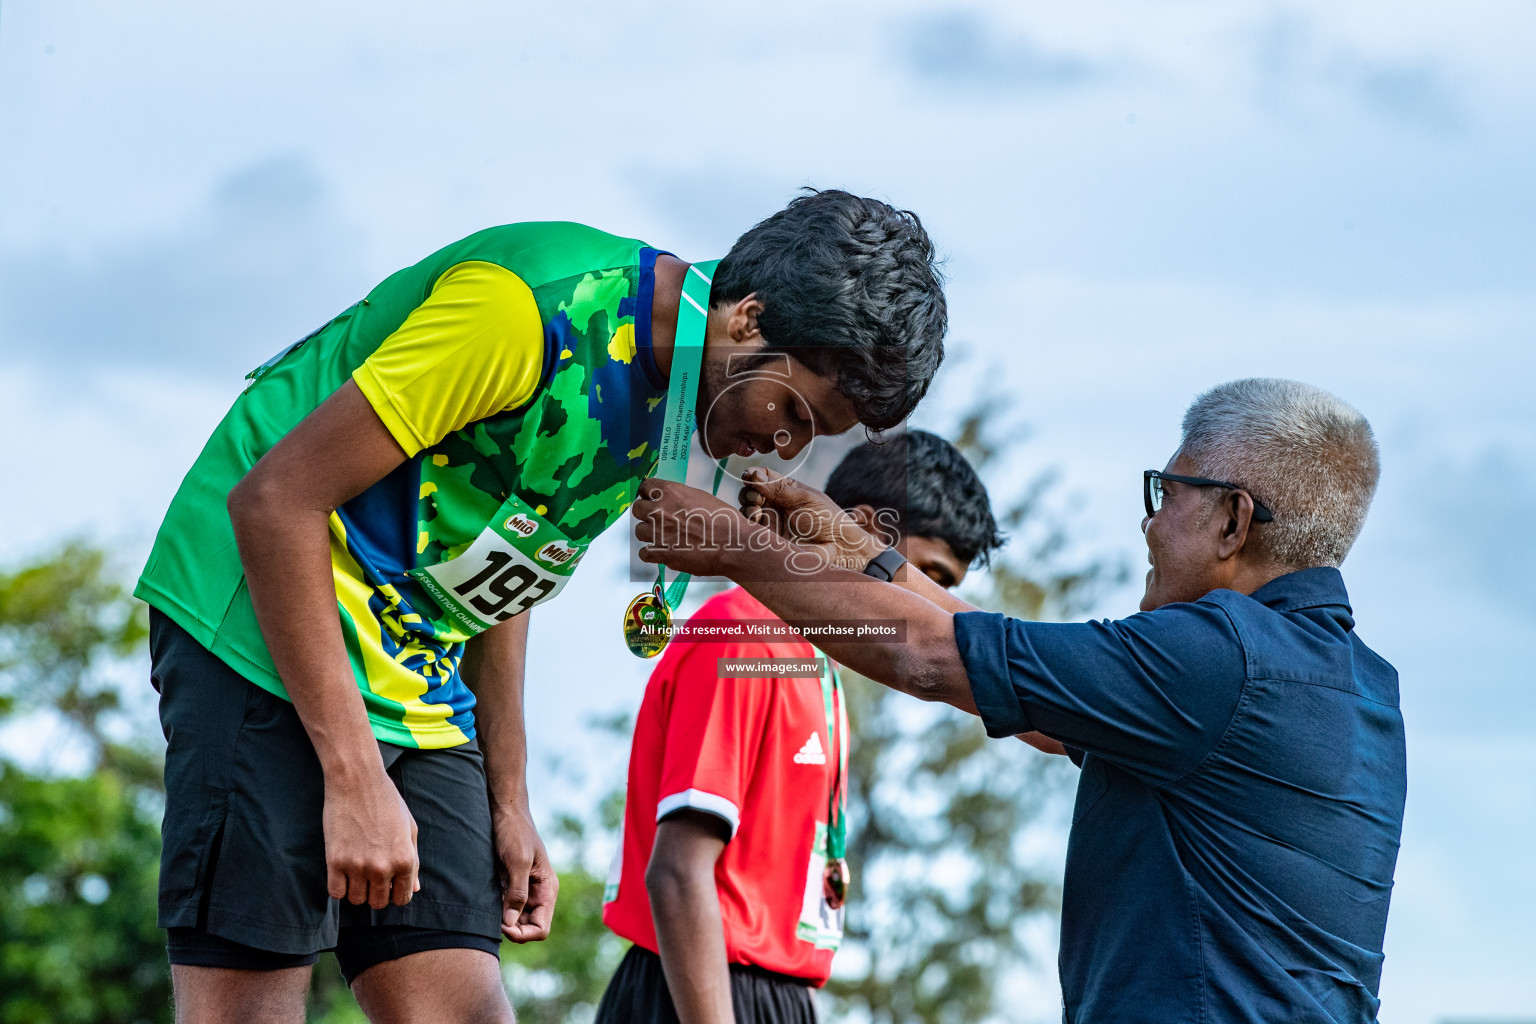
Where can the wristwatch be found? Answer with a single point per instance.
(884, 565)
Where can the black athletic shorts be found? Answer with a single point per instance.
(242, 867)
(638, 995)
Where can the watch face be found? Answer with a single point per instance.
(884, 565)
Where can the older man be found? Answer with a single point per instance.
(1241, 800)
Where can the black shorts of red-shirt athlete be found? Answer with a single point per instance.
(638, 994)
(242, 868)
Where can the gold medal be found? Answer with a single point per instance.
(835, 882)
(647, 624)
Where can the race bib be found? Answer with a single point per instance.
(518, 561)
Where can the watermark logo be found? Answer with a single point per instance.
(757, 398)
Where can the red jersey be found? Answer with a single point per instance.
(756, 753)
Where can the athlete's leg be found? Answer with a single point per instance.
(451, 986)
(217, 995)
(435, 959)
(242, 879)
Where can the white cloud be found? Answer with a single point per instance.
(98, 453)
(263, 262)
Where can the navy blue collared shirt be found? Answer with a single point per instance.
(1240, 805)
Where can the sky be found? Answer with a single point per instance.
(1135, 201)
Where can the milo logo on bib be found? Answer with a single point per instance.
(556, 552)
(516, 562)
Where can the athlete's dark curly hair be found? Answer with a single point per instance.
(850, 288)
(927, 482)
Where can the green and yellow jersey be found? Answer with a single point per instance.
(515, 362)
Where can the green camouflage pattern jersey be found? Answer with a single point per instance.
(516, 361)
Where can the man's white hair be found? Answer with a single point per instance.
(1309, 457)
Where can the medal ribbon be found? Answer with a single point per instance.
(837, 736)
(682, 399)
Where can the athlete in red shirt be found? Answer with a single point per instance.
(721, 878)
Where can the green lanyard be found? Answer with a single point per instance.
(682, 398)
(837, 736)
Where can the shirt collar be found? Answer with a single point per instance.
(647, 295)
(1322, 587)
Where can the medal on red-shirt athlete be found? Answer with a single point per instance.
(836, 879)
(648, 619)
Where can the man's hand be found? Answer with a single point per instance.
(807, 517)
(529, 886)
(689, 531)
(370, 842)
(685, 528)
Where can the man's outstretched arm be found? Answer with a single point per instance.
(926, 665)
(685, 907)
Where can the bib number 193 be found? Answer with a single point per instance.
(492, 580)
(501, 582)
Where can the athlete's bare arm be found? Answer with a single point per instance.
(493, 669)
(280, 512)
(685, 907)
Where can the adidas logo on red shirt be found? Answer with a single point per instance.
(811, 753)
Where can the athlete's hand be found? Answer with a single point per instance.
(808, 518)
(529, 886)
(370, 842)
(685, 528)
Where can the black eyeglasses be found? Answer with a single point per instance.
(1152, 491)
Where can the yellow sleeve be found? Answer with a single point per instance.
(473, 349)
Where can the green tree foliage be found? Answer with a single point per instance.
(941, 817)
(78, 861)
(78, 855)
(63, 621)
